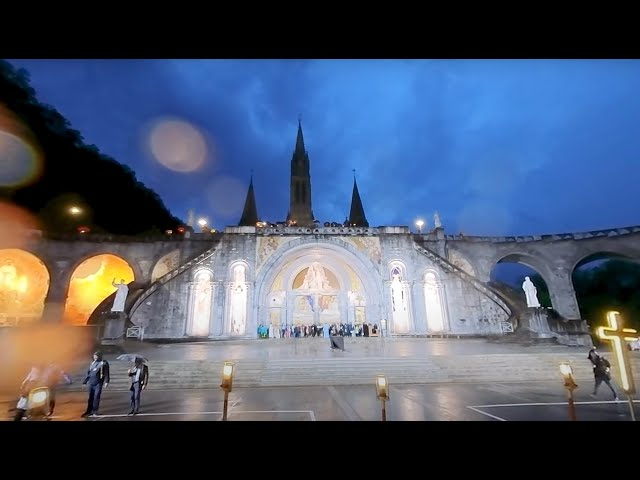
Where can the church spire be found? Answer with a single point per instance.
(300, 212)
(250, 213)
(300, 139)
(357, 218)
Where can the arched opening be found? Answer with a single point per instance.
(237, 300)
(607, 281)
(91, 283)
(400, 318)
(24, 283)
(509, 275)
(166, 264)
(201, 304)
(434, 303)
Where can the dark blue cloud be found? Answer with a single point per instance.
(497, 147)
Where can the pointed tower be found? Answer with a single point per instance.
(357, 218)
(300, 195)
(250, 213)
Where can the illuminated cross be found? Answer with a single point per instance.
(616, 334)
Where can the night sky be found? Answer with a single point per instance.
(497, 147)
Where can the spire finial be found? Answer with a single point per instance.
(299, 119)
(354, 174)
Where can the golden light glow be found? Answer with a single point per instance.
(616, 335)
(227, 376)
(15, 225)
(24, 283)
(23, 347)
(91, 283)
(38, 397)
(566, 369)
(178, 145)
(21, 156)
(382, 387)
(75, 210)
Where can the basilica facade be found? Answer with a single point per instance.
(302, 273)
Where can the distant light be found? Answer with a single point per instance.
(75, 210)
(202, 222)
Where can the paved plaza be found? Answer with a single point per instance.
(472, 401)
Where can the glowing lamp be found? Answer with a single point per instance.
(180, 229)
(83, 229)
(75, 210)
(227, 376)
(382, 388)
(38, 397)
(567, 373)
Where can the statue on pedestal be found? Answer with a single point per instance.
(531, 293)
(121, 295)
(437, 223)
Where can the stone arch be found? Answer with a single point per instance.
(513, 290)
(91, 282)
(617, 294)
(165, 264)
(293, 254)
(236, 299)
(399, 266)
(435, 301)
(601, 254)
(400, 303)
(24, 286)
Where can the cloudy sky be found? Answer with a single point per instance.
(497, 147)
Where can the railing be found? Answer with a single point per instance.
(506, 327)
(169, 276)
(444, 263)
(135, 332)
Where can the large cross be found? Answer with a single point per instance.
(616, 334)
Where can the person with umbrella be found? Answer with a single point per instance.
(139, 375)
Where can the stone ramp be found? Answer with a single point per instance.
(347, 370)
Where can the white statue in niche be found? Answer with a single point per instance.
(399, 304)
(121, 295)
(238, 301)
(202, 305)
(531, 293)
(397, 294)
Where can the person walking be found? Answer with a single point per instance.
(601, 372)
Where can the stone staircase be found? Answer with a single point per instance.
(343, 370)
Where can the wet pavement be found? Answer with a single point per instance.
(436, 402)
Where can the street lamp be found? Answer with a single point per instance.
(75, 210)
(570, 385)
(227, 383)
(203, 223)
(382, 392)
(419, 224)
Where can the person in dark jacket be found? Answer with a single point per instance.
(139, 375)
(601, 372)
(97, 378)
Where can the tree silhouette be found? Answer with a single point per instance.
(112, 199)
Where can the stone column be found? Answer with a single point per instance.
(54, 304)
(563, 296)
